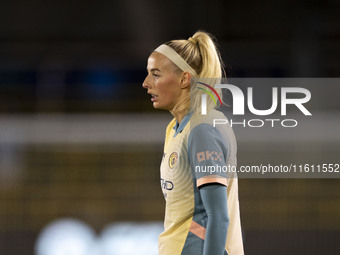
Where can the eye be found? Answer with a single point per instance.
(155, 75)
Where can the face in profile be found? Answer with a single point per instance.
(162, 82)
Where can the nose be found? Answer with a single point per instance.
(146, 83)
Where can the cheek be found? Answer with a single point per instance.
(170, 87)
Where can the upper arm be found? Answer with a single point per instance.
(207, 152)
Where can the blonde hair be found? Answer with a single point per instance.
(200, 52)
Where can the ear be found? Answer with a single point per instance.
(185, 80)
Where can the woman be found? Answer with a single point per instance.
(202, 210)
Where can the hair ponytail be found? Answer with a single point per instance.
(200, 52)
(211, 61)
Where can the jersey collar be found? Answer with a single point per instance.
(179, 127)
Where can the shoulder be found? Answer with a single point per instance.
(204, 134)
(207, 119)
(204, 124)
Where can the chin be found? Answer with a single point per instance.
(156, 106)
(159, 107)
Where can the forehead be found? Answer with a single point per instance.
(158, 61)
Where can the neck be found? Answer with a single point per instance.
(179, 116)
(181, 108)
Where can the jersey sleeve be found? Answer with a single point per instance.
(207, 153)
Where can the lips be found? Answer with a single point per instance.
(153, 96)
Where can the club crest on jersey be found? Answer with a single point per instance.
(173, 159)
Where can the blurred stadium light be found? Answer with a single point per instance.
(73, 237)
(66, 236)
(130, 238)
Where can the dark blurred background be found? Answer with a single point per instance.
(79, 137)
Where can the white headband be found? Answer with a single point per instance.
(171, 54)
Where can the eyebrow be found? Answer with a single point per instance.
(154, 69)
